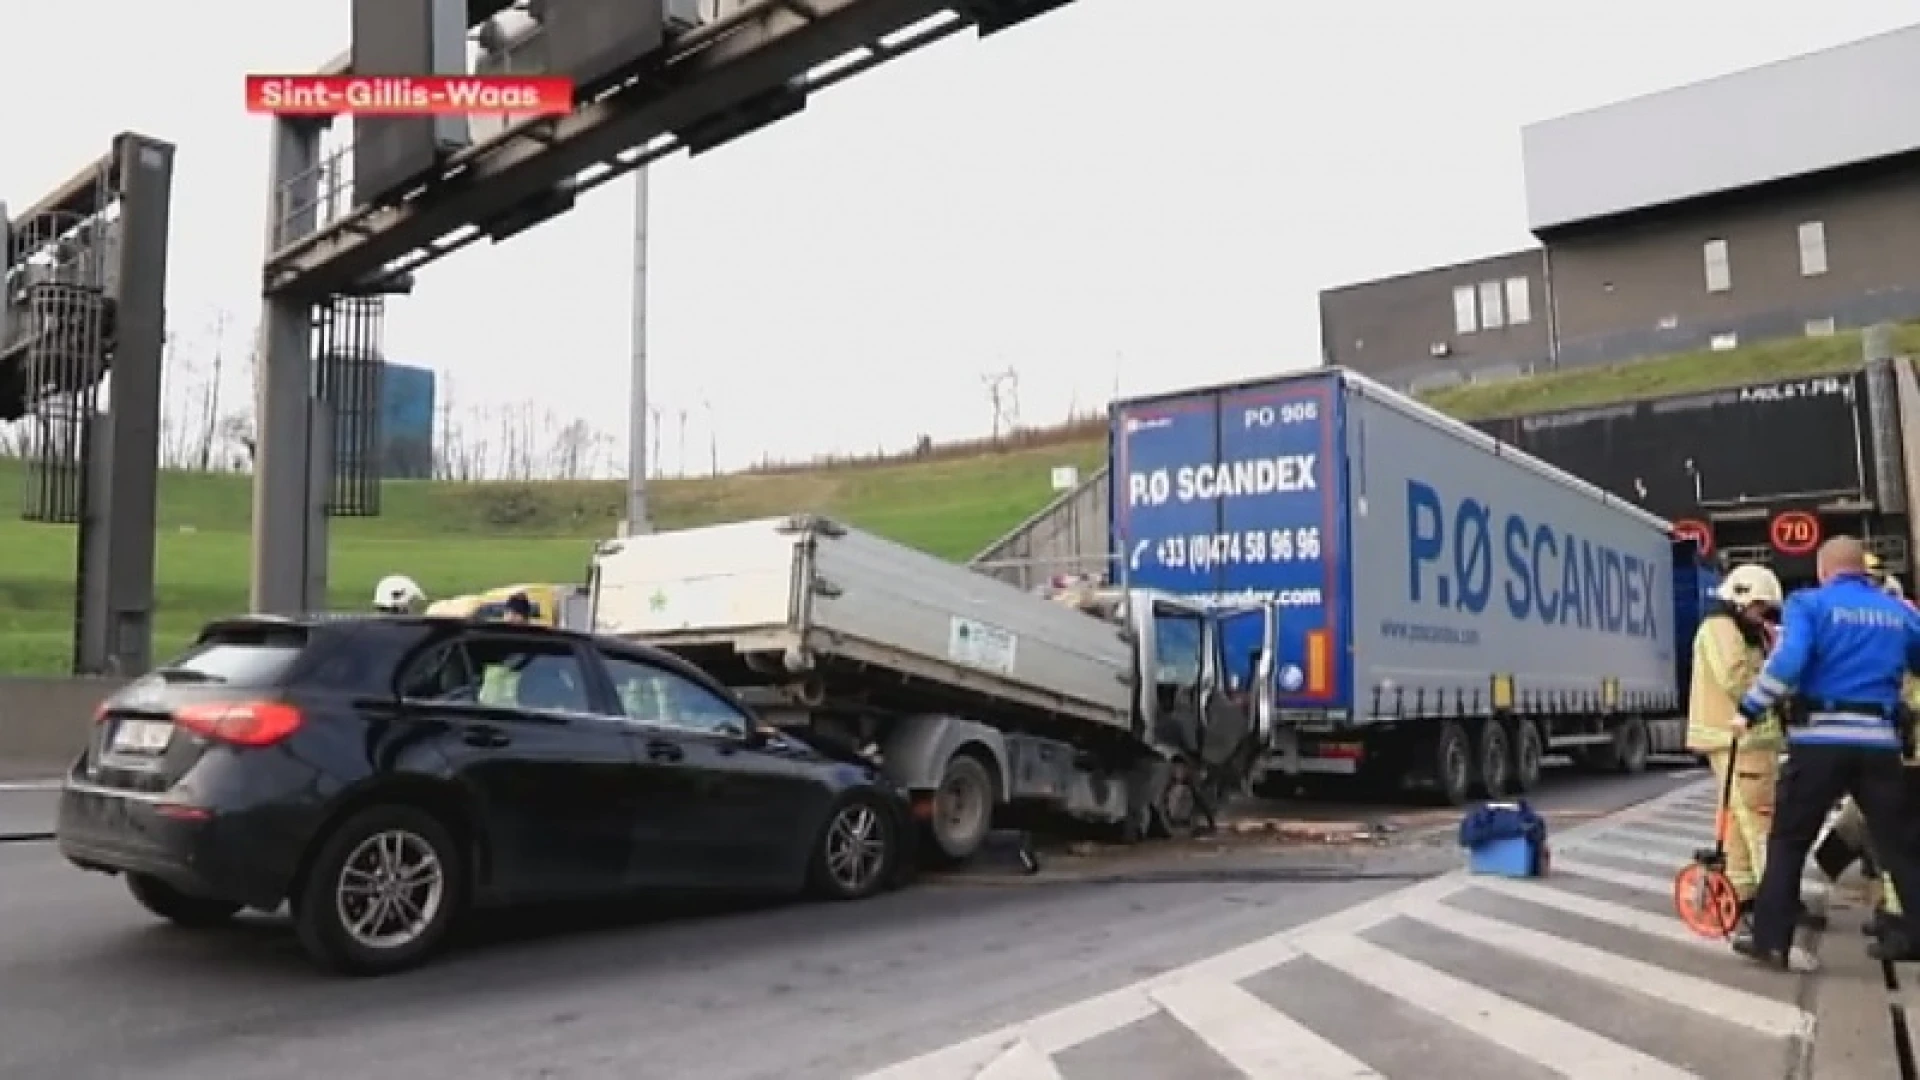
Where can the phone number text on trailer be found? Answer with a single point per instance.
(1255, 547)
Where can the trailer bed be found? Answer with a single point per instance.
(836, 614)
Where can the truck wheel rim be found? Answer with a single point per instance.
(390, 889)
(1529, 756)
(1456, 766)
(961, 806)
(856, 847)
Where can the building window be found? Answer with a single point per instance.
(1820, 327)
(1466, 318)
(1813, 248)
(1519, 302)
(1492, 311)
(1719, 269)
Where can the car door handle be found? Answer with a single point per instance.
(486, 737)
(662, 750)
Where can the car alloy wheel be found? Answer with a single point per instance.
(390, 889)
(856, 849)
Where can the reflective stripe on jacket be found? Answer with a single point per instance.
(1724, 666)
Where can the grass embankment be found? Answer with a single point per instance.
(457, 538)
(464, 537)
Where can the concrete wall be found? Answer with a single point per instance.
(1392, 329)
(1640, 288)
(44, 721)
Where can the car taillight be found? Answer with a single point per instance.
(242, 723)
(100, 713)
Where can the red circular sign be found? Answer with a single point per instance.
(1699, 532)
(1795, 533)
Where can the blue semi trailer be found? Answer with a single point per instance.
(1452, 610)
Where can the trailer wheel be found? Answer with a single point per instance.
(1631, 746)
(1495, 761)
(962, 809)
(1453, 764)
(1528, 751)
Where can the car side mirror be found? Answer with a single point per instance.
(757, 736)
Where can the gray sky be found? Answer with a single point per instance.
(1103, 199)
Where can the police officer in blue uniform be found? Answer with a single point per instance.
(1844, 649)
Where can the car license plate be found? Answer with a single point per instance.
(142, 736)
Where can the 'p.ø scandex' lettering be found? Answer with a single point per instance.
(1285, 474)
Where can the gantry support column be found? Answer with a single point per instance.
(289, 573)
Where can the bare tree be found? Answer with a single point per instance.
(573, 447)
(210, 411)
(180, 393)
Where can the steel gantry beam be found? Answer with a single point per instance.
(744, 64)
(717, 82)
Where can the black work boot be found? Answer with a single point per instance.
(1895, 942)
(1744, 945)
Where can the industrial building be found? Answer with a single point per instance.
(1778, 201)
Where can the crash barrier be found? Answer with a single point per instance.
(44, 720)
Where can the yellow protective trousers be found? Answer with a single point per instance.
(1749, 813)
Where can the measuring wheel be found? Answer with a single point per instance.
(1702, 892)
(1705, 899)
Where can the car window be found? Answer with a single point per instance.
(1177, 645)
(652, 695)
(251, 657)
(506, 672)
(444, 674)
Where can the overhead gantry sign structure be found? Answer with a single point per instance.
(350, 225)
(83, 281)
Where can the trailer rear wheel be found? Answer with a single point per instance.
(962, 809)
(1495, 761)
(1631, 746)
(1453, 764)
(1529, 751)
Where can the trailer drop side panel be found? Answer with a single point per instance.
(1237, 494)
(1480, 564)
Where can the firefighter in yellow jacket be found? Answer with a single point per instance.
(1728, 651)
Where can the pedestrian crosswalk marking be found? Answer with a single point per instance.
(1664, 927)
(1256, 1038)
(1764, 1015)
(1207, 1000)
(1545, 1040)
(1625, 879)
(1021, 1061)
(1679, 849)
(1627, 851)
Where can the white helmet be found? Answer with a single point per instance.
(1751, 584)
(397, 594)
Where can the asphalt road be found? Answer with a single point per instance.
(92, 987)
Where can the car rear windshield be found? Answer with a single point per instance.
(239, 656)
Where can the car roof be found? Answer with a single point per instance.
(633, 650)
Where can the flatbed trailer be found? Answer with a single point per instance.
(986, 702)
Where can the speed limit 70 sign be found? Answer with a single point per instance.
(1795, 533)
